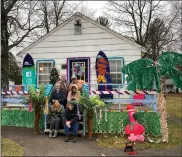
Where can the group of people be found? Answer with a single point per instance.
(63, 107)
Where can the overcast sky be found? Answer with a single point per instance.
(97, 5)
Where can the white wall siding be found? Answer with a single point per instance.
(63, 44)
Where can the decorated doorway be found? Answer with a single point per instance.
(80, 66)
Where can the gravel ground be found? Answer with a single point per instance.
(42, 145)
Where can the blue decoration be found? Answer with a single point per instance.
(48, 89)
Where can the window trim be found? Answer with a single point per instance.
(37, 67)
(122, 64)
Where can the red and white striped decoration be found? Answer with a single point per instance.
(15, 92)
(114, 92)
(121, 92)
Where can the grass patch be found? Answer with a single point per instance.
(174, 106)
(115, 141)
(11, 148)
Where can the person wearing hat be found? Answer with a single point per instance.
(70, 120)
(79, 83)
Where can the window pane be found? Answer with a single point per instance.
(112, 62)
(119, 76)
(44, 72)
(78, 29)
(119, 63)
(118, 69)
(119, 81)
(113, 81)
(113, 76)
(113, 69)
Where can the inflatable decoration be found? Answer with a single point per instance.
(134, 129)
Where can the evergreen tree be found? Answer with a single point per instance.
(54, 76)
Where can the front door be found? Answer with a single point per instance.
(80, 67)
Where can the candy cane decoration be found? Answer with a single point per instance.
(122, 92)
(15, 92)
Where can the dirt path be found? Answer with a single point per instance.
(41, 145)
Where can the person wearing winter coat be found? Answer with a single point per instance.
(74, 93)
(56, 112)
(58, 94)
(70, 120)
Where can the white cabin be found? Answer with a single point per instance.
(79, 39)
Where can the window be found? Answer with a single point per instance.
(43, 71)
(78, 27)
(115, 70)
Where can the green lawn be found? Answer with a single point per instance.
(174, 105)
(173, 108)
(11, 148)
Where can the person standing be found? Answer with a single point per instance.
(64, 86)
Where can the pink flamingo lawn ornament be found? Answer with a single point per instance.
(134, 129)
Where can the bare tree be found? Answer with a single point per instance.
(159, 35)
(176, 9)
(135, 18)
(104, 21)
(15, 28)
(58, 11)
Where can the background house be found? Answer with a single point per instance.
(79, 39)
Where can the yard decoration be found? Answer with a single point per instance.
(145, 74)
(90, 104)
(54, 76)
(134, 129)
(29, 76)
(103, 75)
(38, 101)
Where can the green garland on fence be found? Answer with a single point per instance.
(116, 122)
(21, 118)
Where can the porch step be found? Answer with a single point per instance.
(62, 131)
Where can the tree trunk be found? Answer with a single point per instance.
(89, 125)
(36, 121)
(4, 47)
(163, 112)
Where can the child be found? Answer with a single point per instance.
(56, 112)
(71, 121)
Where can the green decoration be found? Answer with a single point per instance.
(29, 77)
(141, 75)
(90, 104)
(54, 76)
(145, 73)
(118, 120)
(38, 100)
(21, 118)
(168, 65)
